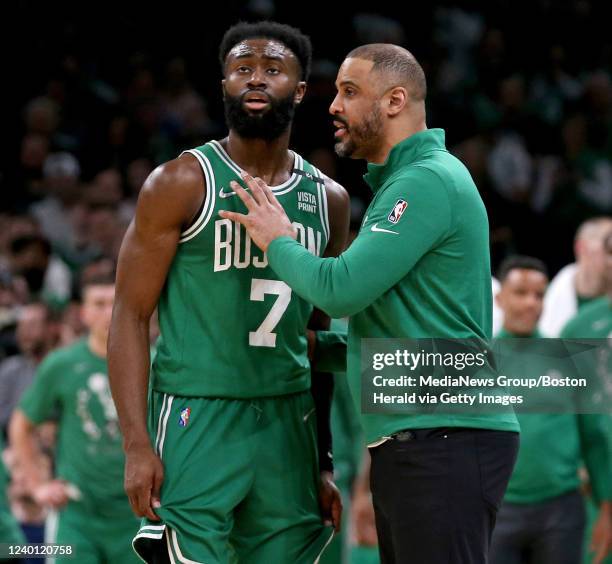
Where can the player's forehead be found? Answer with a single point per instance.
(98, 292)
(526, 278)
(263, 48)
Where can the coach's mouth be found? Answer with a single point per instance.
(341, 129)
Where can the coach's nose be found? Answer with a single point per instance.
(335, 107)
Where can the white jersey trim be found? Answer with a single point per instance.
(159, 423)
(174, 540)
(323, 210)
(278, 190)
(209, 201)
(163, 423)
(324, 548)
(143, 534)
(51, 527)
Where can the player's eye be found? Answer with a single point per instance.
(243, 69)
(273, 71)
(349, 92)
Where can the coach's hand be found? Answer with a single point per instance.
(144, 474)
(266, 219)
(330, 501)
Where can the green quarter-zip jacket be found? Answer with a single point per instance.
(419, 268)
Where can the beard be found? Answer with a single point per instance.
(267, 125)
(361, 136)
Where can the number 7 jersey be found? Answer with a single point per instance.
(229, 327)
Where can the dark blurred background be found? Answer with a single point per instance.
(102, 93)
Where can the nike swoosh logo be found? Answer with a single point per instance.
(223, 194)
(309, 414)
(381, 230)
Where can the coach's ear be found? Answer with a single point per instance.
(397, 98)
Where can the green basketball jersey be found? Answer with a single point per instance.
(71, 386)
(229, 327)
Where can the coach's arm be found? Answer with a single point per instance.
(168, 201)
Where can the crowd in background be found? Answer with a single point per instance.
(525, 97)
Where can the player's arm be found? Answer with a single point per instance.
(322, 383)
(168, 201)
(25, 448)
(328, 348)
(596, 446)
(39, 403)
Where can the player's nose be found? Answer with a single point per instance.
(257, 79)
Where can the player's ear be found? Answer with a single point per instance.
(300, 92)
(397, 98)
(223, 88)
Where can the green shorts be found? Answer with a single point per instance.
(95, 539)
(9, 529)
(240, 481)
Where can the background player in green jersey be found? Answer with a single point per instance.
(71, 387)
(229, 469)
(10, 532)
(419, 268)
(542, 518)
(594, 321)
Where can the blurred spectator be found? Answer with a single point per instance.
(28, 183)
(553, 87)
(45, 275)
(579, 282)
(42, 116)
(375, 28)
(34, 339)
(137, 172)
(106, 188)
(184, 110)
(61, 212)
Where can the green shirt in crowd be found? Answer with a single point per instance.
(71, 386)
(593, 321)
(554, 445)
(9, 529)
(419, 268)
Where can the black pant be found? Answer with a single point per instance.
(436, 493)
(549, 532)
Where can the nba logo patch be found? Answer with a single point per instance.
(398, 210)
(184, 419)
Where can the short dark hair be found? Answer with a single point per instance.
(520, 261)
(289, 36)
(394, 60)
(101, 272)
(23, 242)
